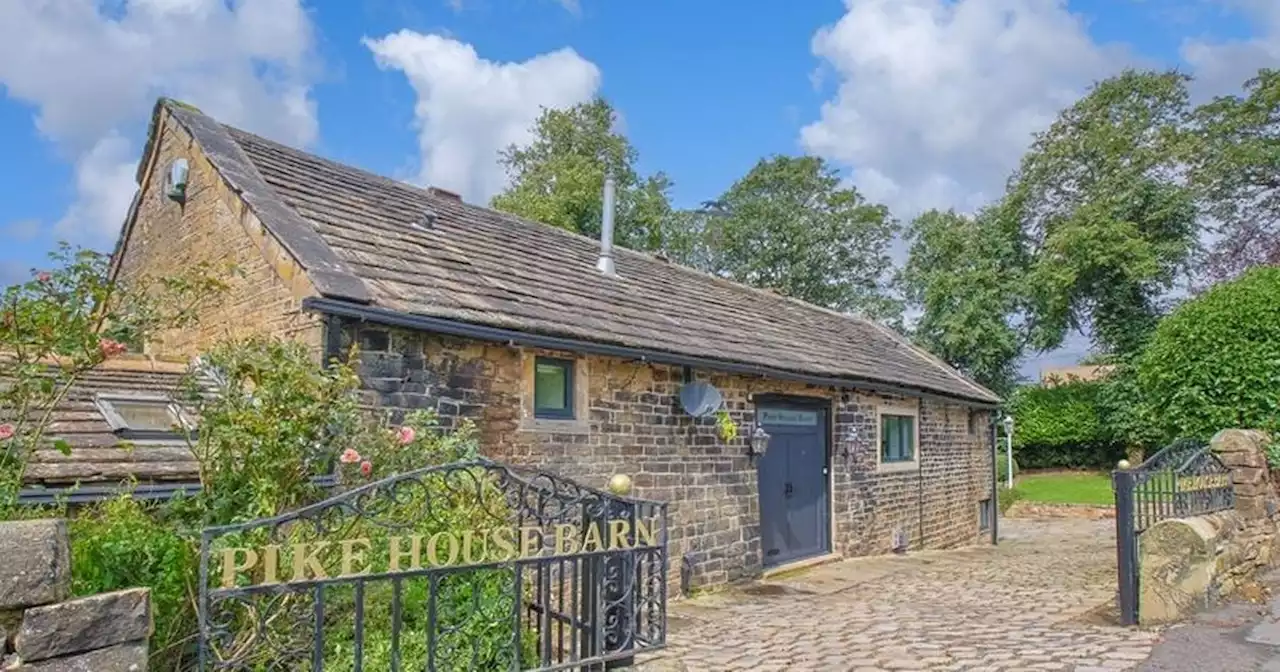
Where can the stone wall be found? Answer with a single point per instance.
(215, 227)
(41, 630)
(631, 423)
(1188, 563)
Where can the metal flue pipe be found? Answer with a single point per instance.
(605, 263)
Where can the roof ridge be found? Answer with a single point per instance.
(127, 362)
(426, 193)
(400, 184)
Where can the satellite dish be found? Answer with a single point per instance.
(699, 399)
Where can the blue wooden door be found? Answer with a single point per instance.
(793, 483)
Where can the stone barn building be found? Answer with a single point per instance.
(873, 444)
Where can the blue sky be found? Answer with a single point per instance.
(922, 102)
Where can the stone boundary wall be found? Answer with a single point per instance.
(1188, 563)
(42, 630)
(631, 422)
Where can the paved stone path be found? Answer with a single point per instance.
(1041, 600)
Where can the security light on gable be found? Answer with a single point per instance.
(176, 181)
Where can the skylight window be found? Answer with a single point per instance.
(143, 415)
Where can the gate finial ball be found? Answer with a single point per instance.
(1122, 465)
(620, 485)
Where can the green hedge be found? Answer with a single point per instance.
(1214, 363)
(1063, 427)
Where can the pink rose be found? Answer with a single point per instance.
(366, 468)
(349, 456)
(43, 276)
(110, 348)
(6, 431)
(405, 435)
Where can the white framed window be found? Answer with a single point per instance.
(143, 415)
(898, 437)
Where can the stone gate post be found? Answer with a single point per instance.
(1243, 451)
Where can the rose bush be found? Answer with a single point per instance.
(65, 322)
(272, 421)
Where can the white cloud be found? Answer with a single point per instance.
(92, 71)
(104, 187)
(469, 108)
(937, 99)
(1221, 66)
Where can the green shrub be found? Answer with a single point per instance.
(277, 419)
(1064, 426)
(122, 543)
(1214, 363)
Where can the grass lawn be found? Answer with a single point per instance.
(1066, 487)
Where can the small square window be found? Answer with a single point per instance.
(897, 438)
(553, 388)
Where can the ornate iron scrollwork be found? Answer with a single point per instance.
(472, 565)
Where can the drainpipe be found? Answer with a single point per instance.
(920, 490)
(332, 339)
(605, 263)
(995, 484)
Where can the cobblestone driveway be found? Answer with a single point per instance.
(1039, 601)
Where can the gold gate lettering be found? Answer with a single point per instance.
(355, 557)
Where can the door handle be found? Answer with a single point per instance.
(786, 491)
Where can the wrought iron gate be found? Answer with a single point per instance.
(474, 565)
(1183, 479)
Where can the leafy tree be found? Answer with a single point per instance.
(559, 178)
(790, 225)
(1237, 172)
(1107, 221)
(965, 275)
(1211, 364)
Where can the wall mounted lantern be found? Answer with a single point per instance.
(759, 441)
(850, 443)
